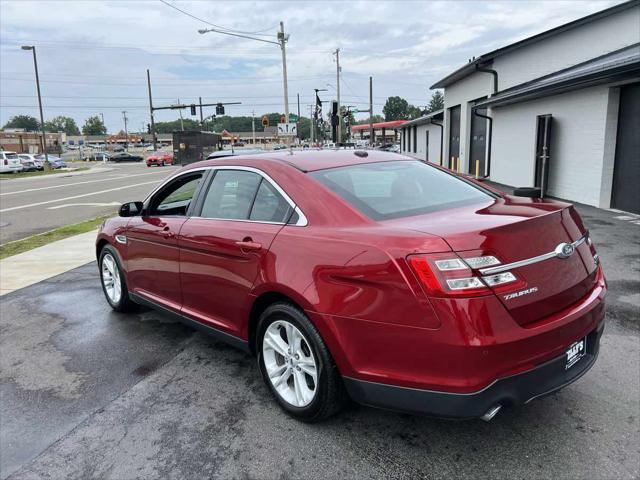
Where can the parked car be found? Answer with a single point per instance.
(28, 165)
(353, 273)
(232, 153)
(125, 157)
(29, 157)
(99, 156)
(149, 148)
(160, 159)
(118, 148)
(9, 162)
(54, 161)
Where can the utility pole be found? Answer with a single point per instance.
(200, 103)
(313, 123)
(298, 122)
(47, 165)
(126, 132)
(282, 38)
(181, 121)
(153, 125)
(253, 126)
(337, 54)
(371, 139)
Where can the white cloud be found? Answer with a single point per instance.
(93, 55)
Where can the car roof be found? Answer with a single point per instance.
(312, 160)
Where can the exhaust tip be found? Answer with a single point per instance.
(492, 412)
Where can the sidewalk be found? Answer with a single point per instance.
(44, 262)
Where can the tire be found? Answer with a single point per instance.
(121, 302)
(149, 165)
(163, 164)
(328, 395)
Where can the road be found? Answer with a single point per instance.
(33, 205)
(89, 393)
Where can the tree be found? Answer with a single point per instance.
(396, 108)
(376, 119)
(94, 126)
(62, 124)
(414, 112)
(29, 123)
(436, 103)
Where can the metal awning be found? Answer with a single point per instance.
(437, 115)
(621, 65)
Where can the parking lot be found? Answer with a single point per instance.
(89, 393)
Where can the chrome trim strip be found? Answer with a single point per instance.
(302, 219)
(121, 239)
(530, 261)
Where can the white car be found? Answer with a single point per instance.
(29, 157)
(10, 162)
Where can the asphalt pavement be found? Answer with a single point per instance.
(34, 205)
(89, 393)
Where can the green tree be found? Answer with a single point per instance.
(94, 126)
(62, 124)
(396, 108)
(29, 123)
(414, 112)
(436, 103)
(376, 119)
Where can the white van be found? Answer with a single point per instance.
(9, 162)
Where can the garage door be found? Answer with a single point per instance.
(626, 173)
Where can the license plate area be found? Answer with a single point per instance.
(575, 352)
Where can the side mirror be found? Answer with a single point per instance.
(130, 209)
(529, 192)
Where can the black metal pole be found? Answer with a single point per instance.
(153, 124)
(47, 165)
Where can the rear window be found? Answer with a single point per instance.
(389, 190)
(11, 156)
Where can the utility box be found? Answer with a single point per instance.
(191, 146)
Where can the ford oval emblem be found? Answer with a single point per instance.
(565, 250)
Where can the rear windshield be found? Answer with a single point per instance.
(387, 190)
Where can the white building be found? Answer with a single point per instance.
(559, 110)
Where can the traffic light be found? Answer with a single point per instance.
(148, 128)
(219, 109)
(193, 109)
(334, 113)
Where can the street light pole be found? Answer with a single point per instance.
(337, 54)
(282, 40)
(47, 165)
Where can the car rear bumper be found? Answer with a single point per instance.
(515, 389)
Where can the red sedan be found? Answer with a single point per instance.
(160, 159)
(366, 275)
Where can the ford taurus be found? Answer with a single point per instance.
(367, 276)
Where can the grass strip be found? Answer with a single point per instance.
(41, 173)
(19, 246)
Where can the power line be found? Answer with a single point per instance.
(259, 32)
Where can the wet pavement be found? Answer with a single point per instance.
(89, 393)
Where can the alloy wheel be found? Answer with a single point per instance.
(111, 278)
(290, 363)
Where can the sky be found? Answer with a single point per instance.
(93, 54)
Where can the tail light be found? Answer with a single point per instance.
(6, 162)
(446, 274)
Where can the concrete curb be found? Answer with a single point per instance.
(44, 262)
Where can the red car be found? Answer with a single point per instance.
(366, 275)
(160, 159)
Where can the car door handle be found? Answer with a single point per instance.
(249, 244)
(167, 233)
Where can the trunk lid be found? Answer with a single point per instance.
(512, 230)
